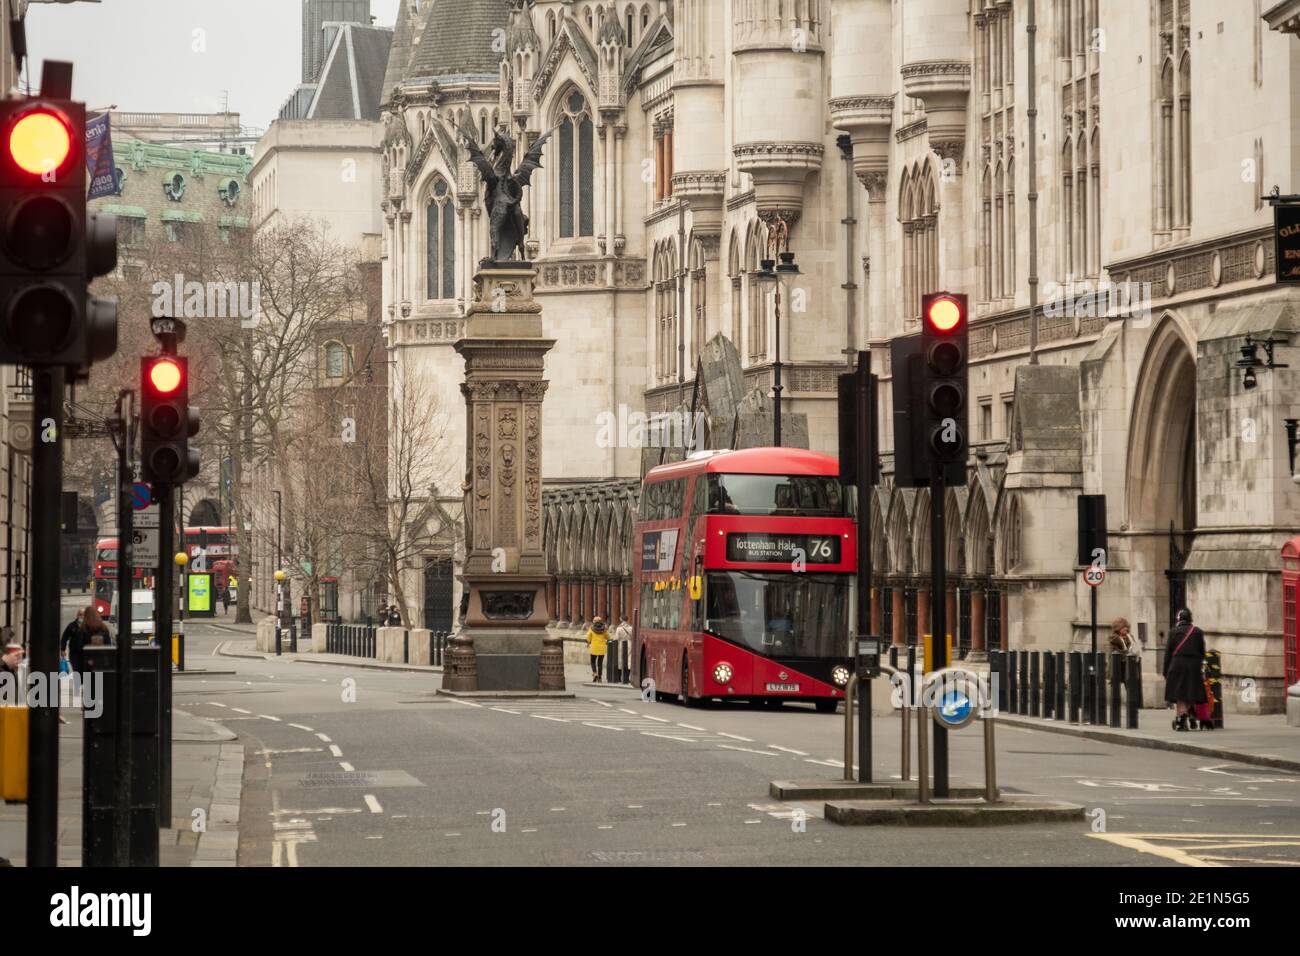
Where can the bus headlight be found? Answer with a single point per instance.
(722, 673)
(840, 674)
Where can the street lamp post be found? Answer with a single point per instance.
(279, 606)
(771, 272)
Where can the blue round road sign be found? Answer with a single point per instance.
(955, 709)
(140, 495)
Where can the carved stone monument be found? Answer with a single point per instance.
(505, 568)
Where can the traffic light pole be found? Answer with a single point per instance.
(125, 534)
(43, 647)
(866, 451)
(163, 600)
(938, 613)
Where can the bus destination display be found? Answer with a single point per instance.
(772, 548)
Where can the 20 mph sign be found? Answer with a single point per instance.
(1093, 575)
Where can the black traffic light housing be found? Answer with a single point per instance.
(945, 354)
(167, 422)
(51, 246)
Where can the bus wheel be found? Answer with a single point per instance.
(827, 706)
(685, 696)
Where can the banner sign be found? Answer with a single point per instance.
(1286, 234)
(783, 548)
(99, 158)
(658, 550)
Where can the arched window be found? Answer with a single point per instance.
(919, 214)
(335, 360)
(665, 293)
(757, 320)
(645, 17)
(630, 19)
(699, 298)
(483, 127)
(733, 272)
(550, 25)
(440, 243)
(1173, 165)
(575, 163)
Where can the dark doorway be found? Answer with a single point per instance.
(438, 586)
(205, 514)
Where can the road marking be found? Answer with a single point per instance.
(636, 806)
(661, 720)
(788, 750)
(269, 717)
(528, 830)
(685, 740)
(213, 703)
(753, 821)
(240, 710)
(826, 763)
(713, 804)
(602, 703)
(334, 749)
(605, 826)
(506, 710)
(679, 824)
(747, 750)
(690, 726)
(626, 711)
(292, 750)
(1143, 846)
(467, 703)
(556, 719)
(373, 804)
(748, 740)
(323, 737)
(347, 767)
(451, 834)
(303, 727)
(557, 809)
(588, 723)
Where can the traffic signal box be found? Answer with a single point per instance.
(167, 421)
(930, 394)
(50, 245)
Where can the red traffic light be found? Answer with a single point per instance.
(40, 141)
(944, 315)
(165, 376)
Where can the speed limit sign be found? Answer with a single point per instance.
(1093, 575)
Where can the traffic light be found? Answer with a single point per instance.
(50, 245)
(167, 421)
(944, 353)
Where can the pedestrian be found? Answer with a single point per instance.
(597, 638)
(70, 630)
(92, 633)
(1184, 657)
(1121, 639)
(225, 600)
(623, 636)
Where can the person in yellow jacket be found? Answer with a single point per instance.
(597, 637)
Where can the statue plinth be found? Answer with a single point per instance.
(505, 567)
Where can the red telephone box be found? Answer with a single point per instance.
(1290, 582)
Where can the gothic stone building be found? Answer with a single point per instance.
(1024, 153)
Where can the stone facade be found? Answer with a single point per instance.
(893, 145)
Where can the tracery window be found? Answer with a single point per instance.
(995, 83)
(699, 300)
(1080, 44)
(440, 243)
(576, 161)
(1173, 155)
(918, 212)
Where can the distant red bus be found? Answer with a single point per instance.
(743, 567)
(216, 545)
(103, 580)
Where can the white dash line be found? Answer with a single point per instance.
(623, 709)
(679, 824)
(748, 750)
(269, 717)
(605, 826)
(213, 703)
(690, 726)
(557, 809)
(346, 766)
(506, 710)
(788, 750)
(662, 720)
(303, 727)
(373, 804)
(240, 710)
(685, 740)
(636, 806)
(753, 821)
(528, 830)
(748, 740)
(592, 723)
(544, 717)
(334, 749)
(466, 703)
(323, 737)
(602, 703)
(825, 763)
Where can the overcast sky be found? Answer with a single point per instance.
(147, 56)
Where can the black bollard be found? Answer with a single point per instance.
(1013, 693)
(1049, 685)
(1117, 665)
(1099, 689)
(1023, 684)
(1060, 685)
(1134, 680)
(1035, 691)
(1076, 685)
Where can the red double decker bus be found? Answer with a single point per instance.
(103, 581)
(743, 572)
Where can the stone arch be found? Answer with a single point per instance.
(920, 543)
(900, 544)
(205, 513)
(879, 540)
(1160, 485)
(976, 535)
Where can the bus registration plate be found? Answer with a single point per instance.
(794, 688)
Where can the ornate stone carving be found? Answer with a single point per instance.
(507, 605)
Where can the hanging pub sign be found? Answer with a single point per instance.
(1286, 235)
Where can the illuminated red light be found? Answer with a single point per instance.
(165, 376)
(40, 142)
(945, 315)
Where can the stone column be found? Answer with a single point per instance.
(875, 611)
(505, 355)
(922, 614)
(950, 614)
(978, 646)
(899, 615)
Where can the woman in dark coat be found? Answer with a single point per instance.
(1184, 656)
(92, 632)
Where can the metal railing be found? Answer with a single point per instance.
(355, 640)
